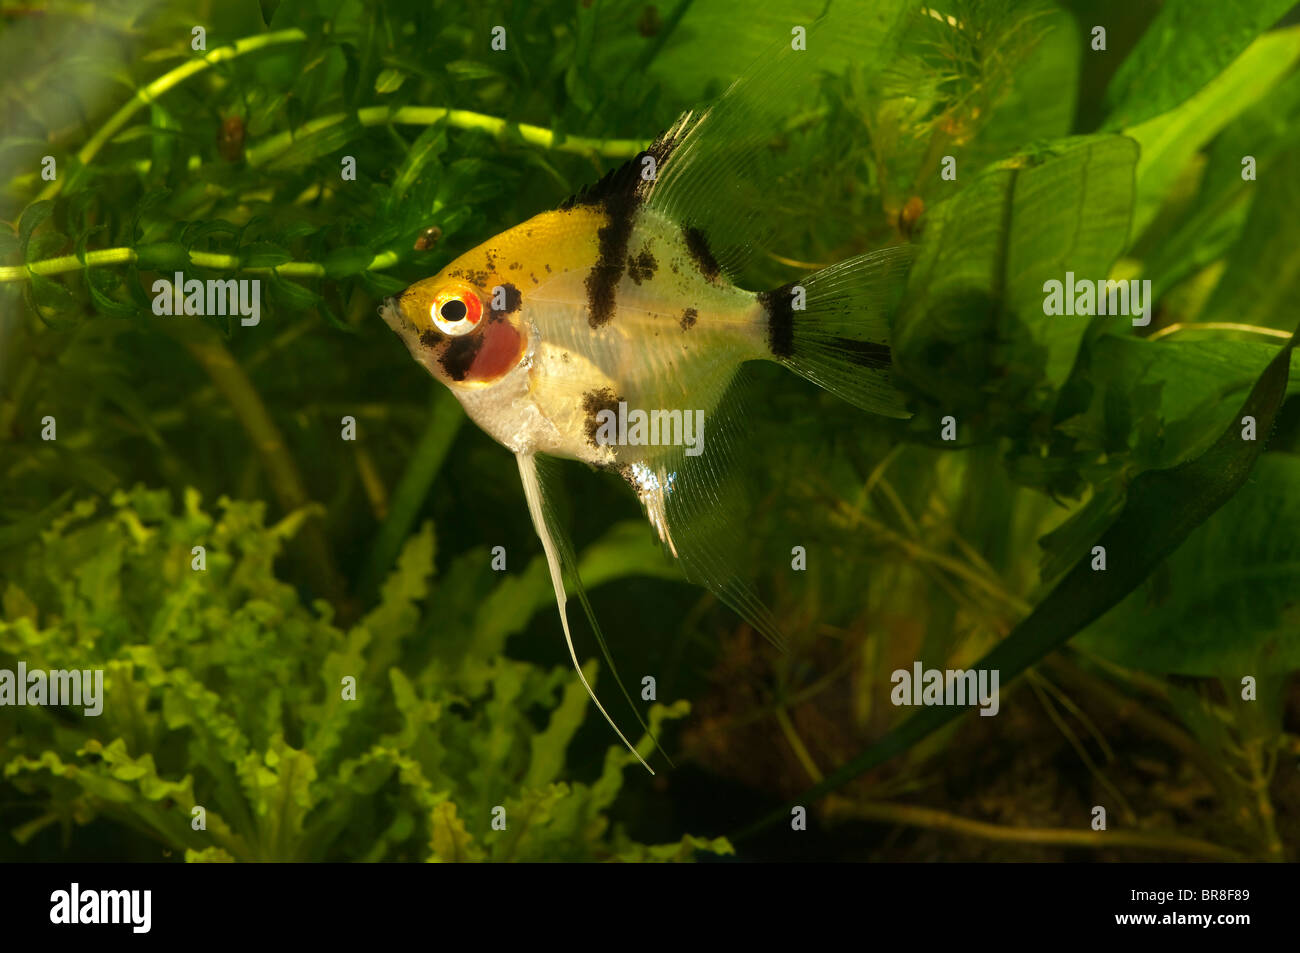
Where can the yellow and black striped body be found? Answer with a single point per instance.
(604, 303)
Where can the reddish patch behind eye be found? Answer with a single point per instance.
(498, 353)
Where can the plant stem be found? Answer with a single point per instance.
(841, 807)
(1131, 710)
(800, 749)
(202, 259)
(148, 94)
(1218, 326)
(276, 145)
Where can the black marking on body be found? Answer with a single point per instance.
(515, 266)
(593, 402)
(779, 306)
(618, 194)
(602, 280)
(698, 246)
(688, 318)
(471, 275)
(456, 360)
(513, 300)
(642, 267)
(430, 338)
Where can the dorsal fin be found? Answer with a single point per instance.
(627, 184)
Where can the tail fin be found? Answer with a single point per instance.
(832, 327)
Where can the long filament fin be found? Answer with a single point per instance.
(533, 493)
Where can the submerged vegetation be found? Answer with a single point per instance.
(361, 661)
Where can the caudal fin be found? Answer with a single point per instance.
(832, 327)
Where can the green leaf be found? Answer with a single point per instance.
(1226, 600)
(389, 81)
(382, 284)
(148, 201)
(33, 216)
(427, 147)
(995, 243)
(102, 302)
(294, 295)
(693, 58)
(1187, 45)
(46, 245)
(1170, 140)
(466, 70)
(450, 842)
(51, 294)
(145, 131)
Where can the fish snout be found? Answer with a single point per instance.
(391, 312)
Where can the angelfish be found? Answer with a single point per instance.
(624, 296)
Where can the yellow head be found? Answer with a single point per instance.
(464, 323)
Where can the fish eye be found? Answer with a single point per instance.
(456, 311)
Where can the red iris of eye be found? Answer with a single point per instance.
(462, 308)
(473, 307)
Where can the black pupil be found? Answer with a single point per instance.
(454, 310)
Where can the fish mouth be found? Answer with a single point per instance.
(392, 314)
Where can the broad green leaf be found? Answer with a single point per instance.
(693, 58)
(1187, 45)
(1170, 140)
(998, 240)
